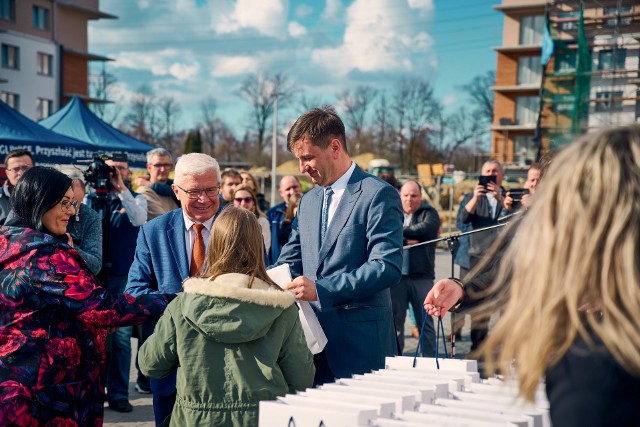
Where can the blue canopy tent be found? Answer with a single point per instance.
(77, 121)
(20, 132)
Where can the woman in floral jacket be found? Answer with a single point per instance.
(234, 335)
(53, 314)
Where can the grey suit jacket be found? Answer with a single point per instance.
(353, 269)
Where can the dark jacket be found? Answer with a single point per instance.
(276, 215)
(424, 226)
(481, 218)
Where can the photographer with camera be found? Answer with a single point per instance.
(518, 197)
(482, 208)
(128, 212)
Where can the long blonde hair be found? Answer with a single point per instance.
(573, 266)
(235, 246)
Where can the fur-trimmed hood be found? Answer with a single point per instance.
(227, 310)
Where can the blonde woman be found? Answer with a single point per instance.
(233, 334)
(569, 285)
(245, 197)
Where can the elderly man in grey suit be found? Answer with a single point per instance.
(345, 249)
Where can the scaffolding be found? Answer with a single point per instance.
(592, 79)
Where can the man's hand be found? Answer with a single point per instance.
(117, 184)
(303, 288)
(526, 200)
(494, 189)
(507, 203)
(479, 190)
(445, 294)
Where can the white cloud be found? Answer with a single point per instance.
(303, 11)
(426, 5)
(296, 30)
(266, 16)
(144, 4)
(234, 65)
(332, 10)
(380, 36)
(161, 63)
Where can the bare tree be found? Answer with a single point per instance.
(142, 119)
(259, 90)
(356, 104)
(381, 118)
(462, 127)
(101, 87)
(169, 113)
(208, 109)
(481, 94)
(415, 110)
(305, 103)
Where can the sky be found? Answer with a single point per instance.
(193, 49)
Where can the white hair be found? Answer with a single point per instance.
(195, 164)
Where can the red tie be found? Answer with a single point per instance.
(197, 253)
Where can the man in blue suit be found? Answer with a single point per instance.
(345, 249)
(171, 247)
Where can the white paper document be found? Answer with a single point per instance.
(316, 339)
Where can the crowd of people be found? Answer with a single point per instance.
(186, 272)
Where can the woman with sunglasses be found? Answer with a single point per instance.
(245, 197)
(54, 316)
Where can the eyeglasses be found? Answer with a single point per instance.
(243, 199)
(162, 165)
(66, 204)
(195, 194)
(19, 169)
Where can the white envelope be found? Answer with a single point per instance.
(316, 339)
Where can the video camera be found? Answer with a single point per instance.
(99, 174)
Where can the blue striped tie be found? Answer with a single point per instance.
(328, 192)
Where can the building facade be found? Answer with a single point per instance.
(44, 53)
(590, 81)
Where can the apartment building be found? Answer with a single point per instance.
(592, 79)
(44, 53)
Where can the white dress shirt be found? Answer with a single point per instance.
(190, 234)
(339, 188)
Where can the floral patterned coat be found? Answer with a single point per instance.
(53, 320)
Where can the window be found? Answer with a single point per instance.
(10, 57)
(531, 28)
(527, 110)
(565, 62)
(612, 59)
(44, 64)
(524, 149)
(43, 108)
(568, 20)
(563, 103)
(617, 11)
(11, 99)
(529, 70)
(609, 101)
(8, 10)
(40, 18)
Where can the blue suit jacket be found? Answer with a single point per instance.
(160, 265)
(353, 269)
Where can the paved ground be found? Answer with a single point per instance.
(142, 415)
